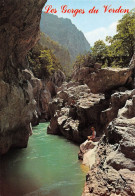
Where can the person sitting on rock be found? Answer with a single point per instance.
(72, 102)
(93, 136)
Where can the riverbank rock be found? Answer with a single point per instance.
(43, 91)
(19, 31)
(85, 147)
(114, 170)
(105, 79)
(74, 110)
(17, 107)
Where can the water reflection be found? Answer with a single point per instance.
(47, 167)
(13, 180)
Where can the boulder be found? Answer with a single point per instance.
(58, 78)
(103, 80)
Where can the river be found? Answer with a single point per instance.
(47, 167)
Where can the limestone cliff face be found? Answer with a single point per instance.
(113, 170)
(74, 110)
(65, 33)
(111, 155)
(78, 107)
(103, 80)
(19, 30)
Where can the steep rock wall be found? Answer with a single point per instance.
(19, 30)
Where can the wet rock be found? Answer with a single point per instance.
(85, 147)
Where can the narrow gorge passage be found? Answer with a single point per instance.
(47, 167)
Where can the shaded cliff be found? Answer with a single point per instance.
(19, 30)
(64, 32)
(61, 53)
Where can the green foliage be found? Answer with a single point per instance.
(100, 51)
(126, 34)
(85, 60)
(42, 62)
(60, 52)
(47, 60)
(121, 46)
(105, 64)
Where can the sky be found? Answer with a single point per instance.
(94, 26)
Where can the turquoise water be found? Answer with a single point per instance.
(48, 167)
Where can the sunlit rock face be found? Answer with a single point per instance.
(113, 172)
(113, 169)
(74, 110)
(19, 30)
(103, 80)
(110, 109)
(77, 107)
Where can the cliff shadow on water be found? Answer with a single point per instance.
(14, 180)
(47, 167)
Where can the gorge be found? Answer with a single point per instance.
(99, 97)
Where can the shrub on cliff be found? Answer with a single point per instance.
(42, 62)
(86, 60)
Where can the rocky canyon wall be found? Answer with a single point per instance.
(78, 106)
(108, 105)
(19, 30)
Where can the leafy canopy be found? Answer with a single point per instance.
(121, 46)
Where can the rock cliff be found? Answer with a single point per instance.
(43, 92)
(19, 30)
(76, 108)
(112, 159)
(68, 36)
(113, 169)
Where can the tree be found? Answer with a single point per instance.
(100, 51)
(42, 62)
(122, 45)
(47, 63)
(85, 60)
(126, 34)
